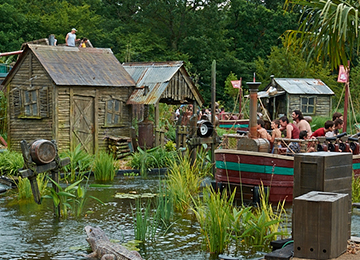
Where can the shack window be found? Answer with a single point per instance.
(30, 103)
(308, 105)
(113, 112)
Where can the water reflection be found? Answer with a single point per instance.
(29, 231)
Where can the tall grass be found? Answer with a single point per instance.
(11, 162)
(156, 157)
(355, 189)
(141, 221)
(165, 207)
(262, 225)
(24, 187)
(214, 216)
(184, 179)
(104, 167)
(80, 162)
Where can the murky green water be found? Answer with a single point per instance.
(30, 231)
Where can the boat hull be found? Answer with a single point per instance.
(253, 169)
(240, 124)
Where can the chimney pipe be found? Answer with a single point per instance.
(253, 88)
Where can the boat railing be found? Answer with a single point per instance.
(229, 141)
(282, 145)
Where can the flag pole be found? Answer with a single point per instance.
(346, 101)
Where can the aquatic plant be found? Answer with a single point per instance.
(11, 162)
(355, 189)
(165, 207)
(141, 221)
(157, 157)
(184, 179)
(104, 167)
(260, 226)
(80, 163)
(70, 199)
(24, 187)
(213, 212)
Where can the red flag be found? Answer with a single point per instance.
(343, 75)
(236, 83)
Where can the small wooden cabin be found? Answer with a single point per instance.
(284, 95)
(75, 96)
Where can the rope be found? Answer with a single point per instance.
(340, 99)
(264, 109)
(352, 108)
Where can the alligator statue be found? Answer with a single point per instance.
(104, 249)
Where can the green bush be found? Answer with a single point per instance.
(11, 162)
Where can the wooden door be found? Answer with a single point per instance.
(83, 123)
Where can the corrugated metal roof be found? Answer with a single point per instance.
(82, 67)
(304, 86)
(151, 79)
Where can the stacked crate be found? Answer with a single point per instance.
(120, 146)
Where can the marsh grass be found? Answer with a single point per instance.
(213, 212)
(183, 182)
(24, 187)
(11, 162)
(141, 221)
(355, 189)
(104, 167)
(165, 207)
(156, 157)
(261, 225)
(71, 199)
(80, 163)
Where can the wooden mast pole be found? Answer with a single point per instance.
(347, 91)
(213, 97)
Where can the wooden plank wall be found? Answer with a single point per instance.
(28, 129)
(322, 107)
(63, 124)
(124, 129)
(178, 89)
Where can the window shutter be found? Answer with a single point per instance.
(44, 104)
(16, 102)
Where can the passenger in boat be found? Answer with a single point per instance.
(223, 115)
(328, 127)
(262, 133)
(338, 124)
(292, 131)
(337, 115)
(311, 145)
(300, 122)
(276, 133)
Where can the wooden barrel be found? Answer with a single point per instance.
(255, 145)
(42, 151)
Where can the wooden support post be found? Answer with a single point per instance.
(157, 128)
(213, 97)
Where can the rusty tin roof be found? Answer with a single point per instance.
(71, 66)
(152, 78)
(303, 86)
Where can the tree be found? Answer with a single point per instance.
(328, 30)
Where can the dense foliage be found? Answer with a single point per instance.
(234, 33)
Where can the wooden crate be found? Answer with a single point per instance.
(320, 225)
(120, 146)
(324, 171)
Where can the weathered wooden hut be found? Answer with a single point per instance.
(284, 95)
(75, 96)
(161, 82)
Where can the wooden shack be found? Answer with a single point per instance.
(75, 96)
(284, 95)
(160, 82)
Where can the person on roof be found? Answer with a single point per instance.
(70, 38)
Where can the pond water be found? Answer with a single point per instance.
(30, 231)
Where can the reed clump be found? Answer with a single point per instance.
(104, 167)
(24, 187)
(184, 179)
(355, 189)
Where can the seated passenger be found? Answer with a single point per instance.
(328, 127)
(262, 133)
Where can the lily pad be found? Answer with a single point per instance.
(135, 196)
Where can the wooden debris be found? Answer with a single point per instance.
(120, 146)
